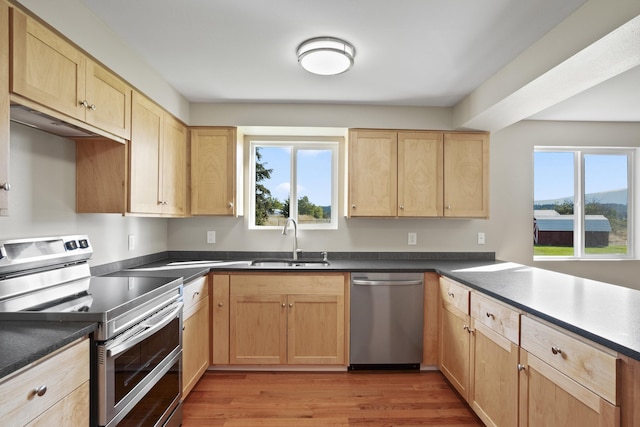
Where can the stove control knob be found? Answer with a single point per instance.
(71, 245)
(83, 243)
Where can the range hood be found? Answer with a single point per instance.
(38, 120)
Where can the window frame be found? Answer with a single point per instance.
(298, 143)
(579, 204)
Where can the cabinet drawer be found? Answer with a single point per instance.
(590, 366)
(61, 374)
(454, 294)
(499, 317)
(194, 292)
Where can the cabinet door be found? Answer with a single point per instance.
(173, 173)
(45, 68)
(258, 329)
(195, 346)
(213, 157)
(315, 329)
(4, 108)
(220, 320)
(466, 175)
(146, 135)
(420, 174)
(373, 173)
(550, 398)
(71, 410)
(454, 347)
(493, 388)
(109, 101)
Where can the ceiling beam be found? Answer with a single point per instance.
(597, 42)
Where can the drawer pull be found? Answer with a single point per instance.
(40, 391)
(451, 294)
(520, 367)
(556, 350)
(284, 305)
(195, 294)
(491, 315)
(219, 304)
(468, 329)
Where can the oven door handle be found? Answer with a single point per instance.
(152, 325)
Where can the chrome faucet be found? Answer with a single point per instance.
(295, 235)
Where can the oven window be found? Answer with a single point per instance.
(160, 399)
(132, 366)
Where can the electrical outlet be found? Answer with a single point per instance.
(481, 238)
(211, 236)
(132, 242)
(412, 239)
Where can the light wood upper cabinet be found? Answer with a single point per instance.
(157, 161)
(56, 75)
(4, 109)
(147, 176)
(466, 175)
(373, 173)
(420, 179)
(287, 319)
(418, 174)
(213, 171)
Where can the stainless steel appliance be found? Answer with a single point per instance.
(137, 348)
(386, 320)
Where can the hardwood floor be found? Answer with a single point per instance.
(325, 399)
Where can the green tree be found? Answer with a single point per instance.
(265, 203)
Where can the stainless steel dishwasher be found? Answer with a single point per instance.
(386, 320)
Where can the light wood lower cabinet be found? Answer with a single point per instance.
(455, 339)
(565, 380)
(493, 376)
(4, 109)
(287, 319)
(63, 380)
(220, 319)
(195, 333)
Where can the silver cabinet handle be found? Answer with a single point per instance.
(556, 350)
(219, 304)
(401, 207)
(290, 304)
(195, 294)
(490, 315)
(520, 367)
(6, 186)
(230, 205)
(284, 305)
(451, 294)
(40, 391)
(84, 103)
(92, 107)
(353, 206)
(361, 282)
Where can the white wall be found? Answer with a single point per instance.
(42, 201)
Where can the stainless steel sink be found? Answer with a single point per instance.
(279, 262)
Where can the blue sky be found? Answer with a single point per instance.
(553, 174)
(314, 173)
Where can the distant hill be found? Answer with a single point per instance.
(617, 197)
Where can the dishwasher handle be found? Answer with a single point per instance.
(365, 282)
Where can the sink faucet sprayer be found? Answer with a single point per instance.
(295, 235)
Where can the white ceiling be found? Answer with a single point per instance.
(408, 52)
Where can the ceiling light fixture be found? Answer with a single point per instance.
(326, 56)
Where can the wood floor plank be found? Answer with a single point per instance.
(325, 399)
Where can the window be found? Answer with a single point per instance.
(581, 206)
(294, 179)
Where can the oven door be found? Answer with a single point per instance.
(143, 361)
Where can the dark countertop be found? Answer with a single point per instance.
(604, 313)
(24, 342)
